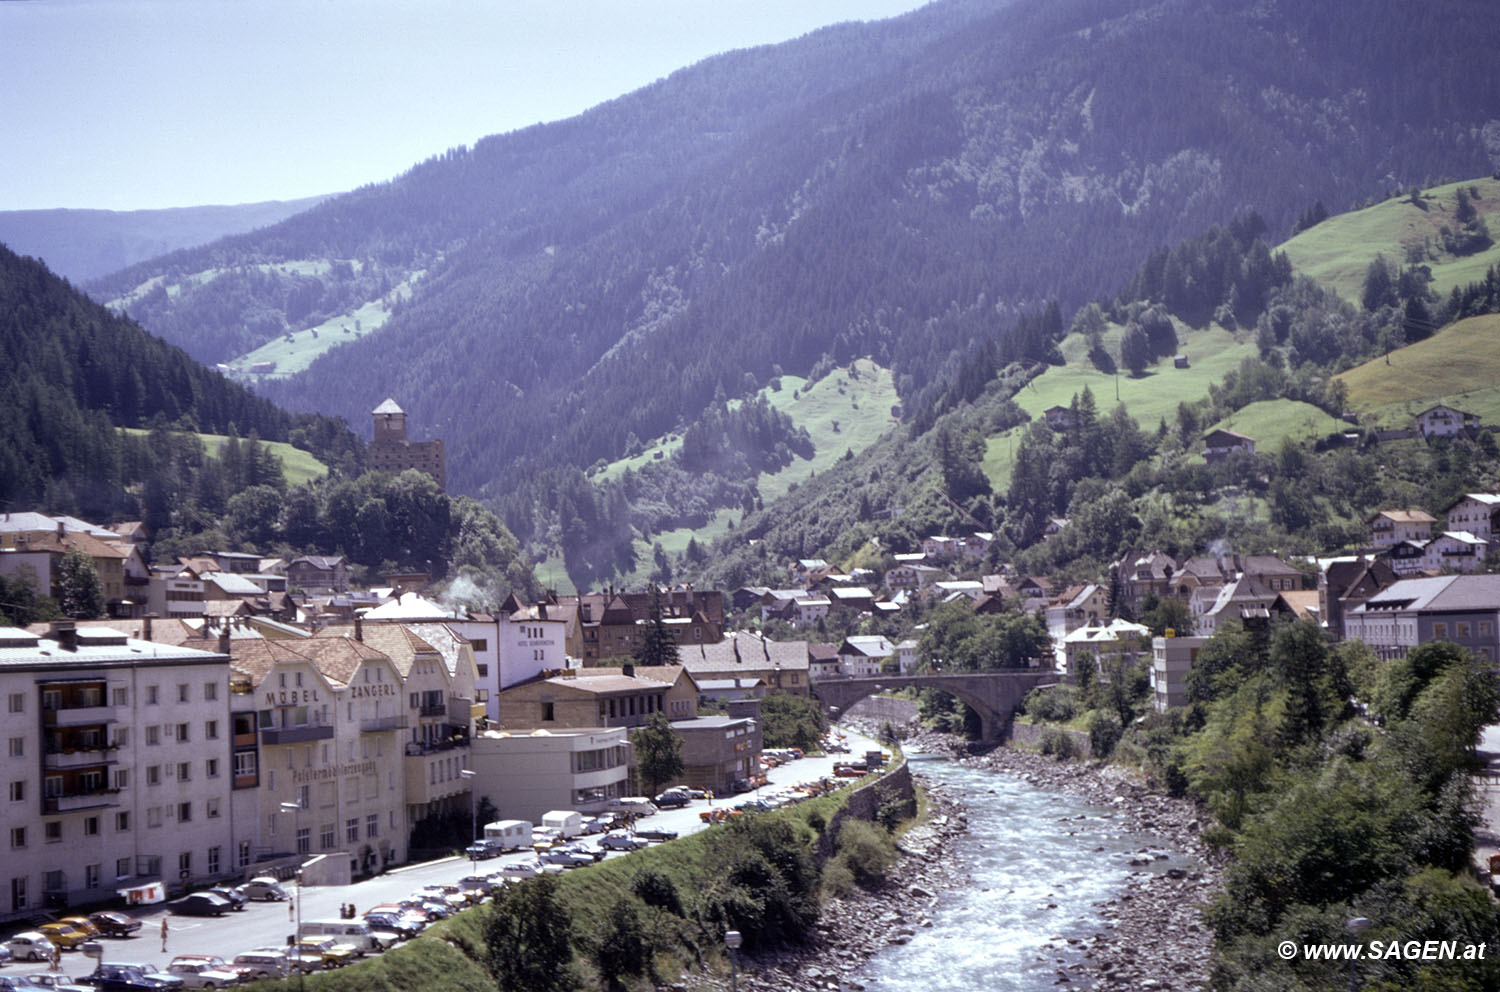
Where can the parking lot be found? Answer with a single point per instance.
(264, 924)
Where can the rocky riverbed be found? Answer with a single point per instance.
(1153, 935)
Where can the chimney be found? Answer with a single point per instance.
(359, 628)
(224, 638)
(62, 530)
(65, 633)
(146, 627)
(541, 611)
(628, 670)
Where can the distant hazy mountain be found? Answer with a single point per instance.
(85, 244)
(901, 190)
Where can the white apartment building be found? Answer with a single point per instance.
(1171, 660)
(526, 773)
(116, 765)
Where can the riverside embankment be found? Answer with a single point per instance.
(1028, 874)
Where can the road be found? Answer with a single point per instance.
(264, 924)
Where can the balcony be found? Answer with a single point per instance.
(79, 716)
(74, 802)
(435, 709)
(381, 724)
(456, 739)
(294, 735)
(78, 758)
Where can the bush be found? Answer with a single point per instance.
(866, 851)
(1105, 731)
(1058, 743)
(1054, 704)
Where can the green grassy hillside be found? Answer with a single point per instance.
(847, 410)
(1460, 366)
(1211, 353)
(1271, 422)
(297, 465)
(1339, 250)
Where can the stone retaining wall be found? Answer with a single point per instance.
(879, 709)
(865, 802)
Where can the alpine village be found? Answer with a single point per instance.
(1002, 497)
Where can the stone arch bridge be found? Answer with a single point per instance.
(995, 696)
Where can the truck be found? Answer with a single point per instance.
(508, 835)
(567, 822)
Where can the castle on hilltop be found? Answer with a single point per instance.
(392, 452)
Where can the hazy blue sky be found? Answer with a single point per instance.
(127, 104)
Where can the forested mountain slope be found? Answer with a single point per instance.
(901, 190)
(74, 373)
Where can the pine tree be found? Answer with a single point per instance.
(80, 593)
(658, 646)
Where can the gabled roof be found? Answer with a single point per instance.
(396, 641)
(741, 650)
(1403, 517)
(1485, 499)
(868, 645)
(389, 406)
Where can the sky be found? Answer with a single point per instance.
(134, 104)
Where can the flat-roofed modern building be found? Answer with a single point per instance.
(526, 773)
(117, 766)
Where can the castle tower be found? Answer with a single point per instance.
(392, 452)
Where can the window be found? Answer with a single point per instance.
(121, 697)
(18, 702)
(1439, 630)
(91, 876)
(183, 732)
(153, 735)
(122, 737)
(213, 860)
(153, 774)
(122, 821)
(210, 691)
(52, 831)
(304, 840)
(304, 796)
(54, 881)
(52, 786)
(548, 712)
(185, 862)
(1485, 628)
(351, 830)
(211, 808)
(1463, 629)
(211, 767)
(148, 864)
(17, 837)
(18, 893)
(184, 771)
(184, 812)
(484, 671)
(150, 695)
(91, 826)
(153, 816)
(122, 868)
(18, 747)
(18, 791)
(211, 730)
(325, 837)
(480, 644)
(244, 764)
(242, 856)
(372, 825)
(182, 692)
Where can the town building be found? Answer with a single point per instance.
(1390, 527)
(524, 774)
(782, 665)
(1474, 513)
(1446, 421)
(392, 451)
(1218, 445)
(720, 753)
(1172, 659)
(582, 699)
(117, 766)
(863, 655)
(1464, 609)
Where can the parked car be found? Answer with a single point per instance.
(64, 935)
(30, 946)
(407, 926)
(328, 951)
(266, 888)
(522, 869)
(112, 924)
(260, 963)
(567, 858)
(600, 824)
(203, 971)
(83, 923)
(695, 793)
(234, 897)
(130, 977)
(622, 841)
(482, 850)
(200, 904)
(672, 798)
(5, 955)
(50, 981)
(656, 833)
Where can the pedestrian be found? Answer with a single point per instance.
(164, 935)
(291, 910)
(56, 958)
(351, 911)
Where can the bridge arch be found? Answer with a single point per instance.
(995, 696)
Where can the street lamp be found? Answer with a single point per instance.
(733, 940)
(1357, 926)
(468, 775)
(296, 810)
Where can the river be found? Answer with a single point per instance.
(1040, 864)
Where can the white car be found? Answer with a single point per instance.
(619, 840)
(522, 869)
(30, 946)
(264, 888)
(203, 971)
